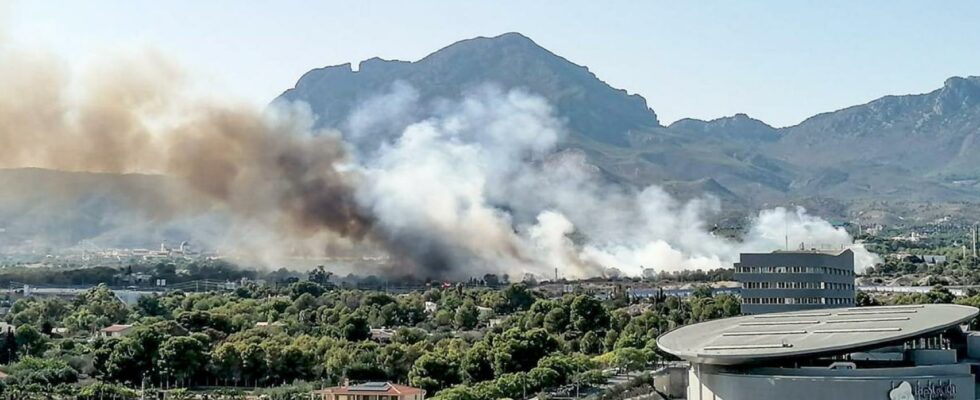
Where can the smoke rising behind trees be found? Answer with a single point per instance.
(444, 188)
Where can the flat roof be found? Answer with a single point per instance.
(754, 338)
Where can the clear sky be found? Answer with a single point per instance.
(779, 61)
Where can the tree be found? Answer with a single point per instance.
(477, 363)
(518, 351)
(397, 360)
(567, 366)
(434, 371)
(9, 348)
(588, 314)
(226, 362)
(182, 357)
(467, 315)
(305, 287)
(556, 321)
(102, 302)
(355, 327)
(862, 299)
(590, 343)
(460, 392)
(443, 318)
(44, 372)
(629, 359)
(101, 390)
(30, 341)
(135, 355)
(702, 292)
(517, 297)
(491, 280)
(150, 306)
(254, 363)
(320, 276)
(543, 377)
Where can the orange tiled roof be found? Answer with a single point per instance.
(374, 388)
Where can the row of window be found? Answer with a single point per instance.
(798, 300)
(793, 270)
(798, 285)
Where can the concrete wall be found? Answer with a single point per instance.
(709, 383)
(672, 383)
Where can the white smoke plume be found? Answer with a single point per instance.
(451, 188)
(478, 185)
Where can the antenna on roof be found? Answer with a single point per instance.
(786, 233)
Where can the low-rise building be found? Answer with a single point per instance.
(382, 335)
(908, 352)
(115, 330)
(933, 259)
(370, 391)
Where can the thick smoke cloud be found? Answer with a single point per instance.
(134, 115)
(449, 188)
(479, 185)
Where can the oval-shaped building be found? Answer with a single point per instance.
(914, 352)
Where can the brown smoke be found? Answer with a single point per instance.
(135, 115)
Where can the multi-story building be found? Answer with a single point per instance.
(795, 280)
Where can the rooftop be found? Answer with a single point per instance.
(374, 388)
(833, 252)
(116, 328)
(753, 338)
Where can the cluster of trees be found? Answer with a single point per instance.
(957, 270)
(483, 342)
(119, 276)
(698, 275)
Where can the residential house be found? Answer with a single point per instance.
(370, 391)
(115, 330)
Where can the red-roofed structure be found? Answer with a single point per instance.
(115, 330)
(371, 391)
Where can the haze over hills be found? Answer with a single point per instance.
(893, 159)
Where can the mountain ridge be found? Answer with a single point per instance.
(894, 159)
(886, 148)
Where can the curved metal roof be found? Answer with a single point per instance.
(754, 338)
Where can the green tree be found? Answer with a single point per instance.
(354, 327)
(477, 363)
(467, 315)
(588, 314)
(305, 287)
(150, 306)
(556, 321)
(543, 377)
(590, 343)
(182, 358)
(629, 359)
(44, 372)
(30, 341)
(434, 371)
(517, 297)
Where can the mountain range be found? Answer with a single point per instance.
(895, 153)
(892, 160)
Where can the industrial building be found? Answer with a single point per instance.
(784, 281)
(914, 352)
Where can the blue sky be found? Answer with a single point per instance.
(780, 61)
